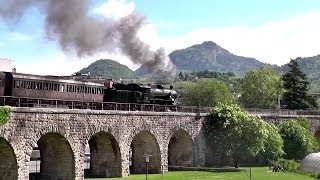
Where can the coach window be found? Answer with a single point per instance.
(55, 87)
(41, 85)
(17, 84)
(62, 88)
(0, 82)
(27, 85)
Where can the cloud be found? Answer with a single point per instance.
(116, 8)
(16, 36)
(272, 42)
(61, 64)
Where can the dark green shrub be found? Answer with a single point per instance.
(289, 165)
(4, 115)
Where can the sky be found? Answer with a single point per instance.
(272, 31)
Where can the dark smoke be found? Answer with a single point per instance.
(68, 22)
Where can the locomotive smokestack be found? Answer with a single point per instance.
(69, 22)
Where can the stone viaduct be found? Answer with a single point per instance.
(118, 140)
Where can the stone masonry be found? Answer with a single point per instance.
(62, 135)
(116, 139)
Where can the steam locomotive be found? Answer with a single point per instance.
(68, 89)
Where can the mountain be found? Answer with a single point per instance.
(210, 56)
(108, 68)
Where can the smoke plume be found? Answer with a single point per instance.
(68, 22)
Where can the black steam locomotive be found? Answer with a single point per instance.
(68, 89)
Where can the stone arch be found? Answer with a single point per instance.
(145, 144)
(181, 149)
(105, 156)
(56, 156)
(8, 162)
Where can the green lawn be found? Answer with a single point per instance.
(258, 173)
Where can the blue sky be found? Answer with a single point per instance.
(271, 31)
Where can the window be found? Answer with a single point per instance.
(17, 84)
(62, 88)
(0, 82)
(55, 87)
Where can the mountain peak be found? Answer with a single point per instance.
(209, 44)
(210, 48)
(212, 57)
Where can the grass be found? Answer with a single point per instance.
(258, 173)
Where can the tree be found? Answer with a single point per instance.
(235, 132)
(298, 141)
(296, 85)
(273, 144)
(260, 88)
(206, 93)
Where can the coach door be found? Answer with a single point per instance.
(8, 80)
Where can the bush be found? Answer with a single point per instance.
(298, 141)
(289, 165)
(4, 115)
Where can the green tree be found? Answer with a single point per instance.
(273, 144)
(296, 85)
(235, 132)
(298, 141)
(204, 92)
(260, 88)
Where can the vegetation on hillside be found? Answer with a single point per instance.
(108, 68)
